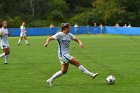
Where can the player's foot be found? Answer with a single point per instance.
(49, 82)
(5, 63)
(18, 44)
(95, 75)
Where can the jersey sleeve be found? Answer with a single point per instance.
(57, 36)
(72, 37)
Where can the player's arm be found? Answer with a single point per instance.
(54, 37)
(79, 42)
(48, 41)
(23, 30)
(0, 33)
(4, 34)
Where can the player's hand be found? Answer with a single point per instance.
(4, 34)
(46, 44)
(81, 45)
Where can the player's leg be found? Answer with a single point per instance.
(75, 62)
(20, 39)
(63, 70)
(7, 52)
(3, 54)
(26, 41)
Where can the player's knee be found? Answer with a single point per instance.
(77, 64)
(64, 71)
(25, 38)
(7, 53)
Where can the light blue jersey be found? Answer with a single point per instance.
(63, 45)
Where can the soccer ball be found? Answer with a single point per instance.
(110, 79)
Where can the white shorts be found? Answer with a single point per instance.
(22, 34)
(65, 58)
(4, 46)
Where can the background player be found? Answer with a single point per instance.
(23, 34)
(4, 41)
(64, 37)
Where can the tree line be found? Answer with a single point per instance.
(41, 13)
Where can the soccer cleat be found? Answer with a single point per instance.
(5, 63)
(18, 44)
(94, 75)
(49, 82)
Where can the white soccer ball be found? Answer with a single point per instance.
(110, 79)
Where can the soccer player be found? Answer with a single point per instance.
(64, 37)
(4, 41)
(23, 34)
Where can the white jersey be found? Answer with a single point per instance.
(23, 31)
(63, 42)
(4, 39)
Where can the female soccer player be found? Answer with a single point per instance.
(23, 34)
(4, 41)
(64, 37)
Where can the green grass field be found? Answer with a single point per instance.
(30, 66)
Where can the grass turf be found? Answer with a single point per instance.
(30, 66)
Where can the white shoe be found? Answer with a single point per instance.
(49, 82)
(95, 75)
